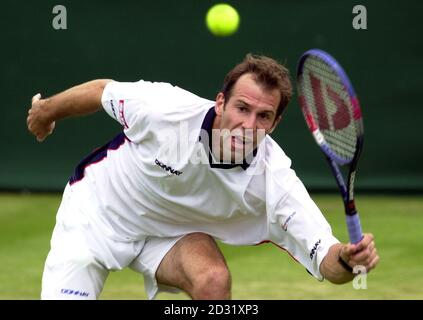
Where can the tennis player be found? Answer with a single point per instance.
(184, 172)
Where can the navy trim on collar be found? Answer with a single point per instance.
(207, 126)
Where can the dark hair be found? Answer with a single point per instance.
(267, 72)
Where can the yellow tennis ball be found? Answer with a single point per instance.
(222, 20)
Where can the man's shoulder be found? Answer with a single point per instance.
(160, 100)
(157, 90)
(271, 157)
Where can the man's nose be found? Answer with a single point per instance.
(250, 122)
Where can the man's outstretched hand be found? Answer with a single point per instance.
(37, 121)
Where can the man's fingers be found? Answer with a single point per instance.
(373, 263)
(367, 257)
(40, 138)
(52, 126)
(368, 238)
(36, 97)
(363, 253)
(347, 251)
(361, 257)
(350, 249)
(36, 123)
(371, 246)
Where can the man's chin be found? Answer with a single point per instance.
(239, 156)
(239, 151)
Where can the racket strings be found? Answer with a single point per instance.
(329, 104)
(344, 148)
(320, 68)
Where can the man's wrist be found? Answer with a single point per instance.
(54, 109)
(46, 109)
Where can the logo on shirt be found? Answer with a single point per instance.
(285, 225)
(113, 109)
(122, 114)
(313, 251)
(168, 168)
(74, 292)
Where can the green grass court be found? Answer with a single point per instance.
(261, 272)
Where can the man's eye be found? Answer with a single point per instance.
(242, 109)
(264, 116)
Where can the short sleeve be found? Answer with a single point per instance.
(132, 104)
(297, 225)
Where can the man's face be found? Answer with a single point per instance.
(248, 115)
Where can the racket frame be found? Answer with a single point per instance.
(334, 160)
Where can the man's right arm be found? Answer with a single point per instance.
(77, 101)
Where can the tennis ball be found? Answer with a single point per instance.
(222, 20)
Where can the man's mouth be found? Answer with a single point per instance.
(240, 141)
(237, 142)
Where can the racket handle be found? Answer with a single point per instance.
(354, 228)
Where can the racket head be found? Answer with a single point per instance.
(330, 106)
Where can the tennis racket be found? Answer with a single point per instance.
(332, 112)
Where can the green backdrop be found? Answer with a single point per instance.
(168, 41)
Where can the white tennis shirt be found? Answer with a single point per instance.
(155, 179)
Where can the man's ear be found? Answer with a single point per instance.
(275, 124)
(220, 102)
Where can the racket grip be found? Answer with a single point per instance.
(354, 228)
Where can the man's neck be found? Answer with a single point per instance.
(216, 143)
(216, 122)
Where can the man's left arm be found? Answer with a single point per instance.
(338, 264)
